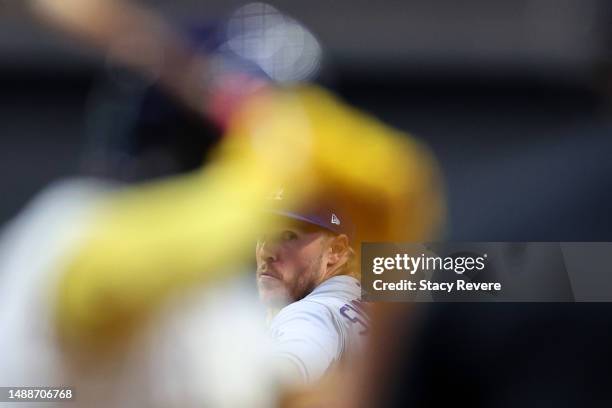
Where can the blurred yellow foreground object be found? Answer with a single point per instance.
(149, 242)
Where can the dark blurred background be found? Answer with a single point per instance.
(513, 97)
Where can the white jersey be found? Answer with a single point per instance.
(192, 354)
(326, 327)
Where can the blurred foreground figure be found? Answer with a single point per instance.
(108, 284)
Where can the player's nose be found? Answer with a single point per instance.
(267, 250)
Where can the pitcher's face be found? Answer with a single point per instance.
(290, 263)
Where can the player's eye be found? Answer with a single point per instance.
(288, 236)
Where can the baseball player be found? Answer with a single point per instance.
(306, 277)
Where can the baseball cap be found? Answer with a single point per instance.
(318, 212)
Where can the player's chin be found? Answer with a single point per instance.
(272, 291)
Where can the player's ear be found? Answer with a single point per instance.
(338, 246)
